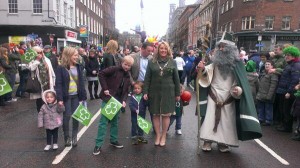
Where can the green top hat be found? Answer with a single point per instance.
(227, 39)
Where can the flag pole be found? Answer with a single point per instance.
(198, 110)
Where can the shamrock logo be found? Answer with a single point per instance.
(84, 115)
(111, 108)
(143, 124)
(2, 84)
(29, 55)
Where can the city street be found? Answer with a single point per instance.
(22, 144)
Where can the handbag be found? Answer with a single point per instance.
(33, 85)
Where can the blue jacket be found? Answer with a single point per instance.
(189, 60)
(134, 105)
(289, 78)
(62, 83)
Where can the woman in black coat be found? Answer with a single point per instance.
(92, 69)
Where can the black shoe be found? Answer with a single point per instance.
(96, 150)
(116, 144)
(142, 140)
(74, 141)
(92, 98)
(283, 129)
(67, 142)
(134, 141)
(96, 96)
(265, 124)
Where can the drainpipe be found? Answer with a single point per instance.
(49, 13)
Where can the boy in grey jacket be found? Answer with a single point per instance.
(265, 95)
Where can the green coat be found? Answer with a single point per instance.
(162, 90)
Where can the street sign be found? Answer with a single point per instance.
(259, 45)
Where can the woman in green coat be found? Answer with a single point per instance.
(162, 88)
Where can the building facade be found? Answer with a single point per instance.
(260, 24)
(44, 22)
(109, 24)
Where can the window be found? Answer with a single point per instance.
(65, 13)
(286, 23)
(269, 22)
(81, 18)
(13, 6)
(77, 17)
(71, 16)
(231, 3)
(248, 22)
(37, 6)
(226, 6)
(58, 10)
(222, 8)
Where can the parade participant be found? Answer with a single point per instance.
(70, 90)
(137, 105)
(230, 107)
(115, 82)
(266, 94)
(162, 88)
(111, 56)
(286, 87)
(48, 53)
(296, 112)
(50, 117)
(41, 67)
(92, 69)
(178, 113)
(139, 67)
(189, 60)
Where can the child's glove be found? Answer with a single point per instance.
(185, 103)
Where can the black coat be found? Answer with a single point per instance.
(91, 65)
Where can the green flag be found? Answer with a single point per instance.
(144, 124)
(111, 108)
(28, 56)
(4, 85)
(82, 115)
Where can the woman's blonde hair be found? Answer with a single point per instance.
(3, 53)
(66, 56)
(169, 51)
(112, 47)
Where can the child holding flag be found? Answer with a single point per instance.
(50, 117)
(137, 105)
(115, 82)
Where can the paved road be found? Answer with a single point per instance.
(22, 144)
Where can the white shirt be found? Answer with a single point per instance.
(180, 63)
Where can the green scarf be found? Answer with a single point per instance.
(43, 74)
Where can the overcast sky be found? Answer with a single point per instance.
(155, 15)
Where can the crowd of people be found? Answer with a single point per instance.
(240, 91)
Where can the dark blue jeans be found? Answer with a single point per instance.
(23, 78)
(71, 104)
(178, 121)
(12, 80)
(265, 111)
(135, 129)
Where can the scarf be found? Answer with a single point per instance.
(44, 75)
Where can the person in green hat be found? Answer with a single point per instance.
(286, 87)
(252, 77)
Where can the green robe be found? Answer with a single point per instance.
(162, 90)
(247, 124)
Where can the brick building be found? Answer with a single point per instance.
(259, 24)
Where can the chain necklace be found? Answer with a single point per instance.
(161, 73)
